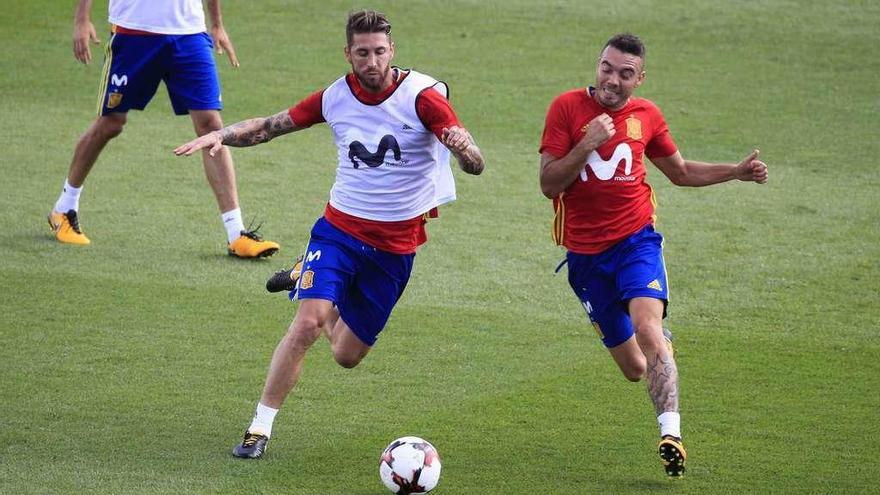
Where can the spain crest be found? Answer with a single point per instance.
(114, 99)
(633, 128)
(307, 280)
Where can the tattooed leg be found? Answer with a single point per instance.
(661, 371)
(662, 381)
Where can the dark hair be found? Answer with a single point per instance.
(366, 21)
(627, 43)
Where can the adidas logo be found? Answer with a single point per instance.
(406, 127)
(655, 284)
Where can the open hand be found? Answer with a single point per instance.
(222, 42)
(211, 141)
(83, 33)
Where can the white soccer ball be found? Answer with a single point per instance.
(410, 465)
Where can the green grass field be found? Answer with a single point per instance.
(133, 365)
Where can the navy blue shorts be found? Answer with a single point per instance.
(134, 64)
(606, 282)
(364, 282)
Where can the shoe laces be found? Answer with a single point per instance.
(251, 231)
(250, 439)
(73, 220)
(286, 272)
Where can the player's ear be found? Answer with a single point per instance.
(641, 79)
(347, 51)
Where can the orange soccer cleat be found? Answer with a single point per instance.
(66, 228)
(250, 245)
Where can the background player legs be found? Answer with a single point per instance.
(63, 219)
(90, 145)
(218, 169)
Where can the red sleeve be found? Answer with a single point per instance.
(435, 112)
(556, 139)
(661, 144)
(308, 112)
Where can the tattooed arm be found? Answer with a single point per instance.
(259, 130)
(462, 145)
(244, 133)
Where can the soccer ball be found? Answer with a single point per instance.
(410, 465)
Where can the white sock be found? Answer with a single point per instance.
(670, 424)
(233, 223)
(263, 419)
(69, 199)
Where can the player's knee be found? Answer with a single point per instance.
(647, 327)
(208, 124)
(302, 334)
(346, 360)
(347, 355)
(112, 132)
(634, 373)
(202, 130)
(109, 128)
(650, 336)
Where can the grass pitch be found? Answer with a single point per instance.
(133, 365)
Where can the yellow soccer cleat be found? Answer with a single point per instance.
(672, 455)
(66, 228)
(250, 245)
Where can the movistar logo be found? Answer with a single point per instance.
(119, 81)
(604, 169)
(357, 151)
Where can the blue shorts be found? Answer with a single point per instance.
(606, 282)
(134, 64)
(364, 282)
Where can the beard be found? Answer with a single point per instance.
(373, 81)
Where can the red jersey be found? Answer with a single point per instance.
(434, 110)
(610, 199)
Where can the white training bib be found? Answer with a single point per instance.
(391, 167)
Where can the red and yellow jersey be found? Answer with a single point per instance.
(610, 199)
